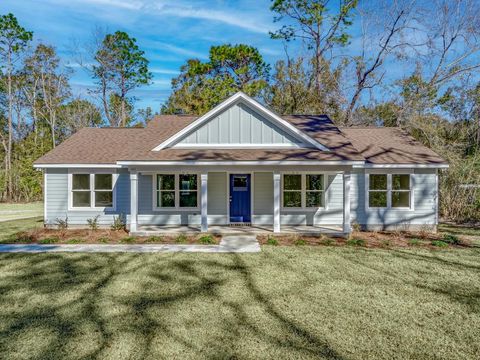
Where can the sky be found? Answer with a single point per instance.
(170, 32)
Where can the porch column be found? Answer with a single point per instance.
(276, 202)
(204, 201)
(346, 202)
(133, 200)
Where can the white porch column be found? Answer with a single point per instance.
(204, 201)
(346, 202)
(276, 202)
(133, 200)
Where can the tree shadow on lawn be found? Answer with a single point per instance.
(112, 297)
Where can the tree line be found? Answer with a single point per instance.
(398, 63)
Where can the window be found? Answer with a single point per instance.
(173, 190)
(377, 191)
(292, 190)
(389, 191)
(314, 190)
(92, 190)
(300, 191)
(401, 191)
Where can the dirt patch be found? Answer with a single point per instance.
(371, 239)
(105, 236)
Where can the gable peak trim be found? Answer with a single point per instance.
(256, 106)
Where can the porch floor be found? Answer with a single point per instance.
(149, 230)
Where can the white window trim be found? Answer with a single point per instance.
(304, 191)
(389, 191)
(92, 174)
(177, 192)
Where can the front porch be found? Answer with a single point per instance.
(240, 200)
(302, 230)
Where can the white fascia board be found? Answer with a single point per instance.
(253, 163)
(241, 146)
(406, 166)
(259, 107)
(78, 166)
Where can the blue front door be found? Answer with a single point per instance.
(240, 198)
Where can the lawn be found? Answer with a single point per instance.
(12, 211)
(285, 302)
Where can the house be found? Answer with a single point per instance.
(242, 164)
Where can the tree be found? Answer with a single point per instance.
(321, 29)
(49, 86)
(202, 85)
(13, 40)
(120, 68)
(291, 91)
(79, 113)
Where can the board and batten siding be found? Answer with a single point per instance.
(424, 189)
(57, 200)
(239, 125)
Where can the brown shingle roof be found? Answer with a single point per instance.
(390, 146)
(108, 145)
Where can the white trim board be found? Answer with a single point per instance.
(241, 97)
(77, 166)
(254, 163)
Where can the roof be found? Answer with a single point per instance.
(110, 145)
(390, 146)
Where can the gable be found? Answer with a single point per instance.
(239, 125)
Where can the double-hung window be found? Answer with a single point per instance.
(389, 191)
(176, 191)
(92, 191)
(303, 190)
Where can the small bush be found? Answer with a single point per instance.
(439, 243)
(62, 224)
(414, 242)
(104, 240)
(50, 240)
(328, 241)
(128, 240)
(451, 239)
(24, 237)
(206, 239)
(272, 241)
(299, 242)
(355, 242)
(386, 243)
(118, 223)
(356, 226)
(75, 241)
(181, 239)
(93, 223)
(155, 239)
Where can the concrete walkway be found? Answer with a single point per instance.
(228, 244)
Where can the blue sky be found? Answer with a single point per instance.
(169, 32)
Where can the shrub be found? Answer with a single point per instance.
(414, 242)
(23, 237)
(451, 239)
(93, 223)
(104, 240)
(128, 240)
(118, 223)
(355, 242)
(328, 241)
(181, 239)
(356, 226)
(272, 241)
(299, 242)
(387, 243)
(206, 239)
(75, 241)
(50, 240)
(155, 239)
(439, 243)
(62, 224)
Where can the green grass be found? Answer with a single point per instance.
(10, 228)
(12, 211)
(206, 239)
(286, 302)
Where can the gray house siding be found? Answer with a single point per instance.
(239, 125)
(57, 200)
(424, 200)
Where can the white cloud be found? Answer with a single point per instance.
(164, 71)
